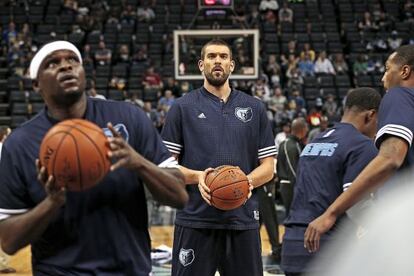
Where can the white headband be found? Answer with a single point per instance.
(47, 50)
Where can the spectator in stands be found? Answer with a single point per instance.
(87, 55)
(123, 54)
(10, 34)
(185, 87)
(152, 114)
(260, 89)
(340, 65)
(70, 7)
(281, 136)
(394, 41)
(172, 85)
(128, 15)
(93, 94)
(308, 50)
(140, 55)
(291, 48)
(360, 66)
(367, 24)
(300, 103)
(268, 5)
(330, 107)
(117, 83)
(408, 11)
(165, 102)
(145, 14)
(285, 13)
(324, 122)
(306, 66)
(273, 70)
(323, 65)
(152, 79)
(253, 19)
(314, 117)
(134, 99)
(375, 65)
(103, 56)
(294, 77)
(277, 102)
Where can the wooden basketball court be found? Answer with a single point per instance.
(159, 235)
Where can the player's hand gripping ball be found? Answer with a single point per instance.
(229, 187)
(75, 153)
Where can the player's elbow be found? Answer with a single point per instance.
(8, 247)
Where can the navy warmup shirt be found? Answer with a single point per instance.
(101, 231)
(396, 118)
(207, 132)
(327, 167)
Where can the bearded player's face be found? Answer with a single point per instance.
(217, 64)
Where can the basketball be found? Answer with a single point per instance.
(229, 187)
(75, 153)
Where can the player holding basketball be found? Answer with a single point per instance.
(394, 140)
(327, 166)
(212, 126)
(103, 230)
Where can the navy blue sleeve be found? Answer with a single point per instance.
(13, 192)
(396, 115)
(148, 142)
(172, 130)
(357, 160)
(267, 145)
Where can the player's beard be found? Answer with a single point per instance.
(216, 81)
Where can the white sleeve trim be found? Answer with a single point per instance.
(268, 151)
(396, 130)
(172, 147)
(5, 213)
(169, 163)
(346, 186)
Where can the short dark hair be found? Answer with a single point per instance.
(405, 55)
(215, 41)
(363, 98)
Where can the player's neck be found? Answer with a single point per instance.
(222, 92)
(76, 110)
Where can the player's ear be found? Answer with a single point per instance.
(232, 65)
(370, 115)
(201, 65)
(405, 72)
(35, 85)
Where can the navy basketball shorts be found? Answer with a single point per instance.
(202, 252)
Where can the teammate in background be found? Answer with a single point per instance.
(99, 231)
(287, 160)
(212, 126)
(394, 139)
(4, 259)
(327, 167)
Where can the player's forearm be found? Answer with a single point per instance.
(263, 173)
(166, 185)
(190, 176)
(18, 231)
(373, 176)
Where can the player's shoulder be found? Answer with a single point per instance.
(245, 98)
(399, 92)
(24, 133)
(114, 107)
(189, 98)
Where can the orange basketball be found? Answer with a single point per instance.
(229, 187)
(75, 153)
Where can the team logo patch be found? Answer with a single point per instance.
(121, 128)
(244, 114)
(186, 256)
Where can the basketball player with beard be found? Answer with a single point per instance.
(212, 126)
